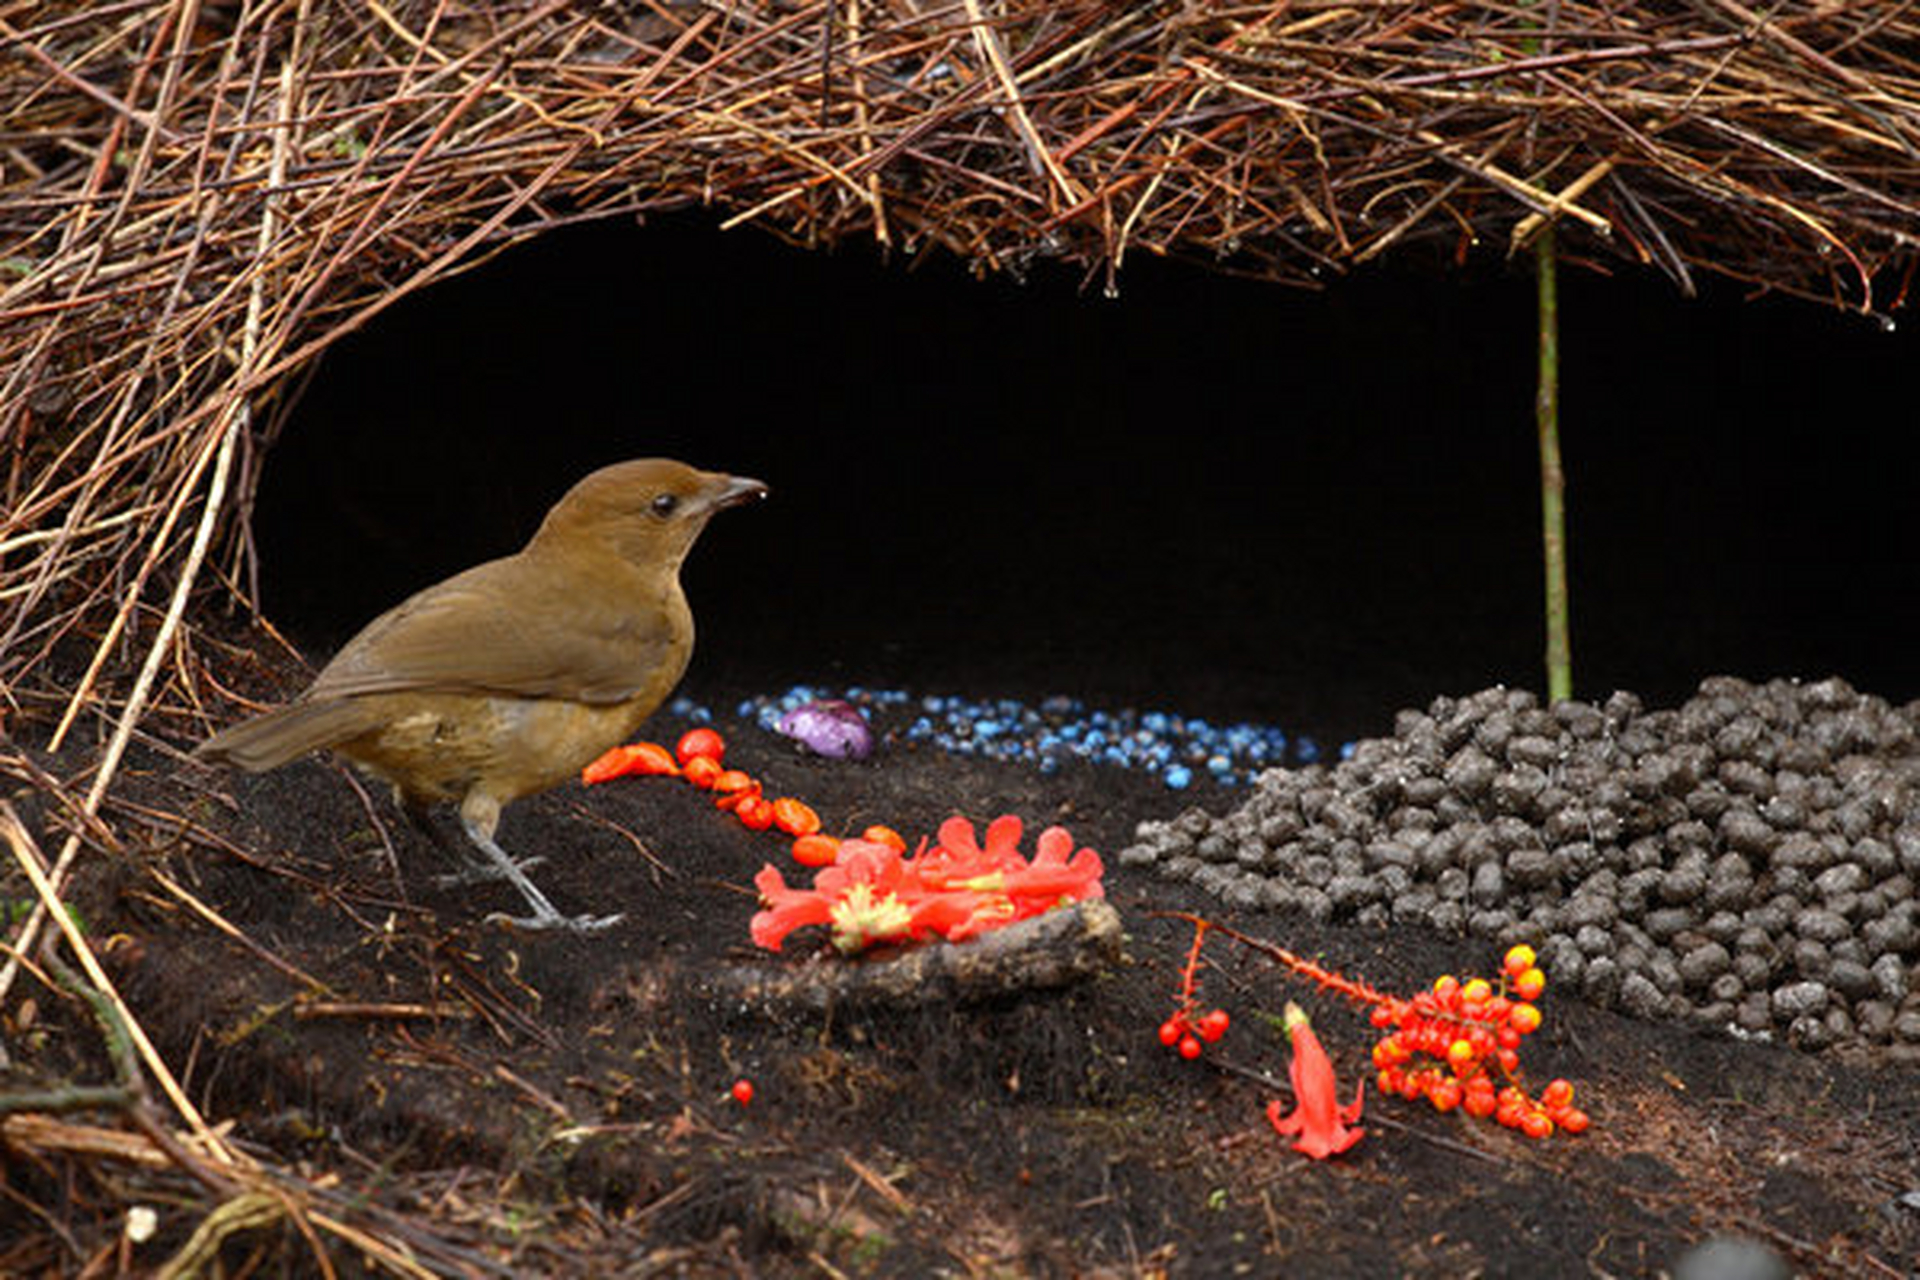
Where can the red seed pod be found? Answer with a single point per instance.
(813, 850)
(795, 817)
(700, 742)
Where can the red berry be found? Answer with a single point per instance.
(1530, 984)
(755, 813)
(1479, 1103)
(813, 850)
(1171, 1030)
(1573, 1120)
(742, 1091)
(1189, 1048)
(1557, 1095)
(700, 742)
(1446, 1095)
(1535, 1124)
(795, 817)
(1213, 1025)
(1518, 960)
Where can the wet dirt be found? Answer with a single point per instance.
(567, 1100)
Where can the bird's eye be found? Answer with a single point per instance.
(663, 504)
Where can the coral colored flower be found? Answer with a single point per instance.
(783, 910)
(955, 890)
(1318, 1119)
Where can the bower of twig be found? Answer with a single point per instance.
(196, 198)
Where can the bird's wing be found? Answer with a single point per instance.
(497, 629)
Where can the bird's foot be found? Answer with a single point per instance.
(478, 872)
(555, 921)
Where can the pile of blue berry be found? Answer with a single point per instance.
(1178, 749)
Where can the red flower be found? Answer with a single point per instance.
(956, 889)
(1318, 1118)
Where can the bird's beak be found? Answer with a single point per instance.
(735, 490)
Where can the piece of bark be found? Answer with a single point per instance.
(1051, 950)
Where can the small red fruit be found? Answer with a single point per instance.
(1529, 984)
(1573, 1120)
(701, 771)
(813, 850)
(700, 742)
(886, 836)
(1519, 960)
(1213, 1025)
(742, 1091)
(1170, 1032)
(1189, 1048)
(795, 817)
(755, 812)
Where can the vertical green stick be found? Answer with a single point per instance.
(1553, 481)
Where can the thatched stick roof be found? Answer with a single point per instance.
(196, 198)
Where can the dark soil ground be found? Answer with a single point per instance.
(553, 1105)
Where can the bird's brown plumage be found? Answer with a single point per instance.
(506, 679)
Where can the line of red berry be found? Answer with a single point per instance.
(697, 760)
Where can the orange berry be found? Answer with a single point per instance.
(1446, 1095)
(732, 780)
(1479, 1103)
(1477, 989)
(1447, 988)
(700, 742)
(1535, 1124)
(1557, 1095)
(1525, 1018)
(1519, 960)
(886, 836)
(1509, 1060)
(754, 811)
(813, 849)
(794, 817)
(701, 771)
(1573, 1120)
(1529, 984)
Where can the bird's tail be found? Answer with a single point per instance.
(269, 741)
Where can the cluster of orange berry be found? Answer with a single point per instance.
(1442, 1041)
(698, 759)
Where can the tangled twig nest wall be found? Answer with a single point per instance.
(199, 197)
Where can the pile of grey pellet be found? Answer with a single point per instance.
(1748, 860)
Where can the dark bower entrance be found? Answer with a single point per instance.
(1207, 495)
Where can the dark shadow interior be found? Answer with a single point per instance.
(1207, 494)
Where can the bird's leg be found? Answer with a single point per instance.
(480, 815)
(474, 870)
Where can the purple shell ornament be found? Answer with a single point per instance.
(829, 727)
